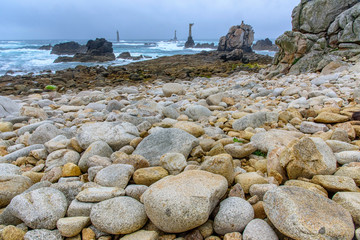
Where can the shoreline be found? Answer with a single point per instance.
(167, 68)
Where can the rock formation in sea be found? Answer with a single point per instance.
(45, 47)
(205, 45)
(323, 31)
(266, 44)
(237, 42)
(238, 37)
(190, 41)
(99, 50)
(68, 48)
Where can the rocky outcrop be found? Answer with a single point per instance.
(68, 48)
(323, 31)
(98, 50)
(127, 55)
(45, 47)
(238, 37)
(266, 44)
(205, 45)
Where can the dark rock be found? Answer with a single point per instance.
(356, 116)
(98, 50)
(238, 37)
(127, 55)
(190, 43)
(45, 47)
(234, 55)
(265, 45)
(68, 48)
(205, 45)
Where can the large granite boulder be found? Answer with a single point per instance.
(68, 48)
(99, 50)
(323, 31)
(238, 37)
(292, 211)
(179, 203)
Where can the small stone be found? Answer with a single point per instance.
(142, 234)
(261, 189)
(172, 88)
(99, 148)
(259, 211)
(78, 209)
(116, 175)
(233, 216)
(53, 175)
(308, 185)
(347, 157)
(135, 191)
(328, 117)
(255, 120)
(43, 234)
(174, 163)
(98, 194)
(57, 143)
(240, 151)
(220, 164)
(137, 161)
(336, 183)
(206, 229)
(194, 129)
(150, 175)
(61, 157)
(233, 236)
(105, 215)
(311, 127)
(71, 170)
(237, 191)
(34, 176)
(88, 234)
(44, 133)
(339, 146)
(12, 233)
(246, 180)
(352, 172)
(258, 229)
(72, 226)
(351, 202)
(6, 126)
(196, 112)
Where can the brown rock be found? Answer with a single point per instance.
(327, 117)
(259, 211)
(12, 233)
(233, 236)
(336, 183)
(150, 175)
(308, 185)
(246, 180)
(220, 164)
(135, 160)
(88, 234)
(190, 127)
(71, 170)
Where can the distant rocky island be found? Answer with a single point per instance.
(266, 44)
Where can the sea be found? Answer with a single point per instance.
(20, 57)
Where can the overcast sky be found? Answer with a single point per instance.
(140, 19)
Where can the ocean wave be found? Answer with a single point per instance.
(168, 46)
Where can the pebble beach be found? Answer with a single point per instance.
(239, 157)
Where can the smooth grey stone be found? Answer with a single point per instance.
(20, 153)
(30, 128)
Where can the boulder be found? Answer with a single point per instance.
(164, 141)
(99, 50)
(39, 209)
(105, 215)
(291, 211)
(266, 44)
(11, 186)
(183, 202)
(8, 107)
(308, 157)
(116, 135)
(238, 37)
(68, 48)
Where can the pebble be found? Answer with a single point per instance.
(98, 194)
(258, 229)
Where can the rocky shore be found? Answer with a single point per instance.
(185, 148)
(202, 159)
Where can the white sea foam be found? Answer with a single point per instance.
(168, 46)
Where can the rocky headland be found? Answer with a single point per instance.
(265, 44)
(174, 155)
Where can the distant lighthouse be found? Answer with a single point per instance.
(117, 36)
